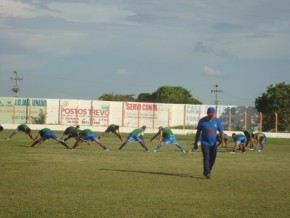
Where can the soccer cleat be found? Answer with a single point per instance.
(155, 150)
(232, 152)
(207, 176)
(184, 151)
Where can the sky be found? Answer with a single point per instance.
(82, 49)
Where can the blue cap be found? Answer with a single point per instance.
(211, 110)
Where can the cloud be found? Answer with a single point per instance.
(73, 12)
(90, 13)
(211, 72)
(122, 72)
(203, 48)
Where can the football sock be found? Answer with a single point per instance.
(34, 143)
(65, 145)
(104, 147)
(158, 147)
(144, 146)
(122, 145)
(11, 135)
(179, 147)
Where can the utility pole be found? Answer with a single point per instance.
(15, 88)
(216, 91)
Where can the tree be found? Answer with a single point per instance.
(145, 97)
(276, 99)
(174, 94)
(116, 97)
(164, 94)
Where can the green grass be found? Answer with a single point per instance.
(51, 181)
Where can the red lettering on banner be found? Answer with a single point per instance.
(144, 107)
(149, 107)
(133, 106)
(99, 112)
(73, 111)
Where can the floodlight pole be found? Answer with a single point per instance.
(15, 88)
(216, 91)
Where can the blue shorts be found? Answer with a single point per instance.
(50, 135)
(263, 139)
(132, 137)
(91, 137)
(169, 139)
(241, 139)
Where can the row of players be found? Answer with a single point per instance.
(165, 134)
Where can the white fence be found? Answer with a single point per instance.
(96, 113)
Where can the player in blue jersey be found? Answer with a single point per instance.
(207, 129)
(166, 136)
(240, 142)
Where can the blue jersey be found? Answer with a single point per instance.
(209, 130)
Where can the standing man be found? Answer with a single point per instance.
(166, 136)
(138, 136)
(207, 127)
(114, 129)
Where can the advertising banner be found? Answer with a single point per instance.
(23, 110)
(75, 112)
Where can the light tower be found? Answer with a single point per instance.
(15, 87)
(216, 91)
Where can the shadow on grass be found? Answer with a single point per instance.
(155, 173)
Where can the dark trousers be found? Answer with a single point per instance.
(209, 155)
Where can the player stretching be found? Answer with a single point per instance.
(86, 135)
(167, 137)
(21, 128)
(45, 134)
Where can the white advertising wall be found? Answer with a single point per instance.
(126, 114)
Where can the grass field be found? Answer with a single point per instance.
(51, 181)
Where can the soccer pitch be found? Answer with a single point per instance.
(51, 181)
